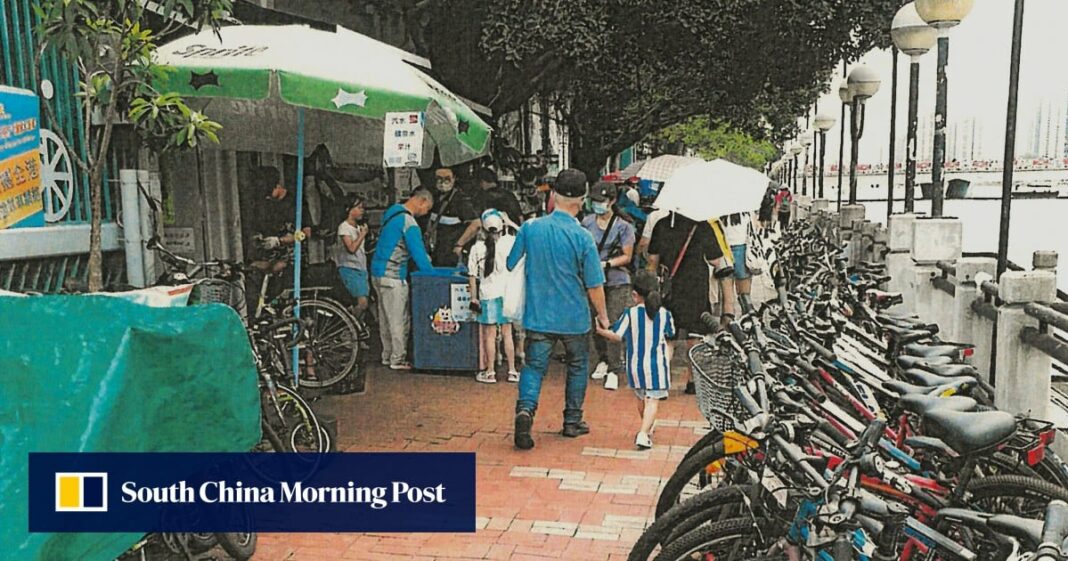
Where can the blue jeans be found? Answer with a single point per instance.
(539, 348)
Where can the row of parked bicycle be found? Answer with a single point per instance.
(843, 430)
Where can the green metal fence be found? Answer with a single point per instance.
(18, 68)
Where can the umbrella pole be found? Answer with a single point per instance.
(297, 235)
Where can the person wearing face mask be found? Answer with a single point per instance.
(452, 213)
(615, 239)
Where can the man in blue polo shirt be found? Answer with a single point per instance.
(563, 276)
(399, 241)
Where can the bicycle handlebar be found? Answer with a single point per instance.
(1054, 531)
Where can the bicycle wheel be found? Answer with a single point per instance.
(238, 545)
(703, 470)
(331, 343)
(1014, 494)
(733, 539)
(714, 505)
(293, 420)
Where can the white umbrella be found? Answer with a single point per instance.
(661, 167)
(707, 190)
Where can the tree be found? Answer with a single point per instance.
(624, 69)
(114, 46)
(712, 141)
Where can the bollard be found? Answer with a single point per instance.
(933, 240)
(821, 205)
(1023, 373)
(899, 242)
(969, 327)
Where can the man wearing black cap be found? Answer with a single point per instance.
(615, 245)
(563, 275)
(490, 195)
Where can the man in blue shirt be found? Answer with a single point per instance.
(399, 240)
(563, 275)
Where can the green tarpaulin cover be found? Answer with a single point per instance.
(99, 374)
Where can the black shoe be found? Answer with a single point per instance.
(690, 388)
(523, 423)
(573, 430)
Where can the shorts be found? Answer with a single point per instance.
(741, 272)
(493, 312)
(659, 395)
(355, 281)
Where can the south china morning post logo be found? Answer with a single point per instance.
(81, 492)
(237, 492)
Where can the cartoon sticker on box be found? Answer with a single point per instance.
(443, 322)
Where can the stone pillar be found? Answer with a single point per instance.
(1023, 381)
(133, 243)
(933, 240)
(899, 241)
(819, 205)
(969, 327)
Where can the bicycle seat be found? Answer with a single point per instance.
(918, 349)
(890, 314)
(924, 378)
(1023, 529)
(883, 297)
(909, 361)
(970, 432)
(905, 388)
(930, 443)
(920, 404)
(951, 370)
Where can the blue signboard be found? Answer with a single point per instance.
(20, 159)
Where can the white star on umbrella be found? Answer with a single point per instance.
(344, 98)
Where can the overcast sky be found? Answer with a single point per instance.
(980, 49)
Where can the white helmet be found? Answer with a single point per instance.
(492, 220)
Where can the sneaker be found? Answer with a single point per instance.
(524, 420)
(401, 366)
(600, 372)
(643, 441)
(690, 388)
(574, 430)
(513, 376)
(385, 362)
(487, 377)
(611, 381)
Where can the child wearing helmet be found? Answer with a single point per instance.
(489, 280)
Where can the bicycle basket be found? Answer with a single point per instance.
(717, 370)
(216, 291)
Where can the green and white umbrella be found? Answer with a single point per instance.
(288, 89)
(258, 77)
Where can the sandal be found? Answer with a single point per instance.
(513, 376)
(487, 377)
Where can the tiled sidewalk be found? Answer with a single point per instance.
(581, 499)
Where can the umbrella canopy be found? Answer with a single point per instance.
(256, 77)
(632, 170)
(706, 190)
(660, 168)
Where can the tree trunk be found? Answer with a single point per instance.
(590, 159)
(96, 254)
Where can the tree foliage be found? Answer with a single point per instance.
(624, 69)
(712, 141)
(114, 47)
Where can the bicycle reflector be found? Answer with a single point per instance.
(1037, 453)
(1046, 437)
(968, 351)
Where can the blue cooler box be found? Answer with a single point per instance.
(444, 330)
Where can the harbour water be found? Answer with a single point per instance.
(1036, 224)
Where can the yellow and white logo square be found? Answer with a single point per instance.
(81, 492)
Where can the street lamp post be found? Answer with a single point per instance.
(806, 141)
(863, 83)
(941, 15)
(823, 123)
(915, 38)
(795, 150)
(1010, 139)
(847, 100)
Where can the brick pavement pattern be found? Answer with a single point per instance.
(583, 499)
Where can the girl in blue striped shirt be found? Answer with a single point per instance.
(646, 328)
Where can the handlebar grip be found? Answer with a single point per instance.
(1056, 525)
(819, 349)
(873, 433)
(810, 389)
(710, 321)
(746, 400)
(736, 331)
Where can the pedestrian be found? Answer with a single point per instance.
(563, 276)
(615, 248)
(490, 195)
(399, 240)
(490, 279)
(686, 253)
(453, 211)
(736, 229)
(767, 206)
(351, 258)
(782, 207)
(646, 328)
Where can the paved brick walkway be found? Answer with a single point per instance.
(584, 499)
